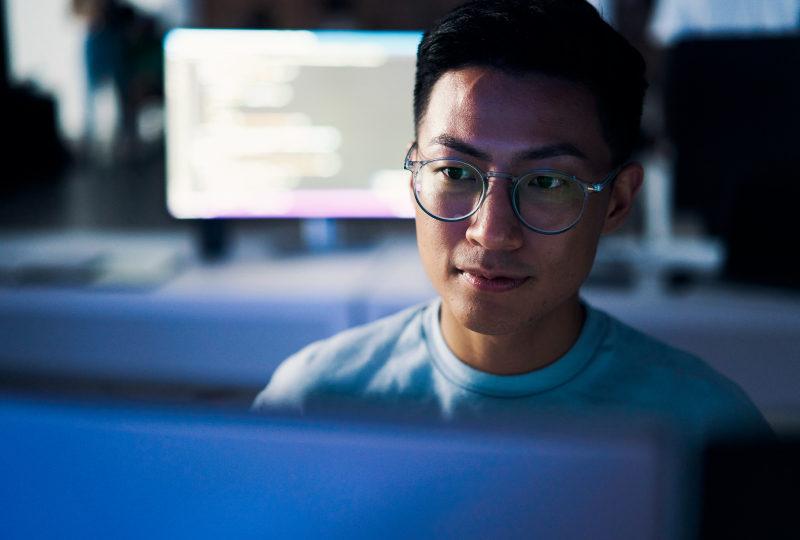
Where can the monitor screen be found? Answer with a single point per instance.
(289, 123)
(88, 471)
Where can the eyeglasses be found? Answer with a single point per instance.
(545, 201)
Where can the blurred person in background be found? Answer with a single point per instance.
(526, 114)
(123, 51)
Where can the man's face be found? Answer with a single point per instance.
(495, 276)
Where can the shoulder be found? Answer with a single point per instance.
(641, 354)
(653, 373)
(344, 363)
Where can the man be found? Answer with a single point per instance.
(526, 115)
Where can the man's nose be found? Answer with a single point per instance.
(495, 225)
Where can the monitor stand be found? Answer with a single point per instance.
(320, 234)
(317, 235)
(213, 239)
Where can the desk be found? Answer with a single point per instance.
(227, 324)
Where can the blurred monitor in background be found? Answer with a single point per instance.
(734, 117)
(289, 123)
(674, 20)
(732, 114)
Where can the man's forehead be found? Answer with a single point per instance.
(509, 88)
(532, 117)
(532, 153)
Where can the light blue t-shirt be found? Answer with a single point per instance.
(611, 369)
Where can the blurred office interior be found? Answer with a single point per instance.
(105, 296)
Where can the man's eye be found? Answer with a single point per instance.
(457, 173)
(547, 182)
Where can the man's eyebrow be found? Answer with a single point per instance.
(460, 146)
(533, 154)
(551, 151)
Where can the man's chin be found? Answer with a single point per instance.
(489, 320)
(492, 328)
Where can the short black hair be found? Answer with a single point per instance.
(567, 39)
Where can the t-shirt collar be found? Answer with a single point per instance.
(535, 382)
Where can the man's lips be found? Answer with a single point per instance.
(490, 281)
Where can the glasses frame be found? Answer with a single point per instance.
(587, 187)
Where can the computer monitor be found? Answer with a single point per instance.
(733, 113)
(85, 471)
(289, 123)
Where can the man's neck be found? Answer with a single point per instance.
(529, 348)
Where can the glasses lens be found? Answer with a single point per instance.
(549, 202)
(449, 189)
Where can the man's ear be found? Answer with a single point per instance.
(626, 185)
(410, 174)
